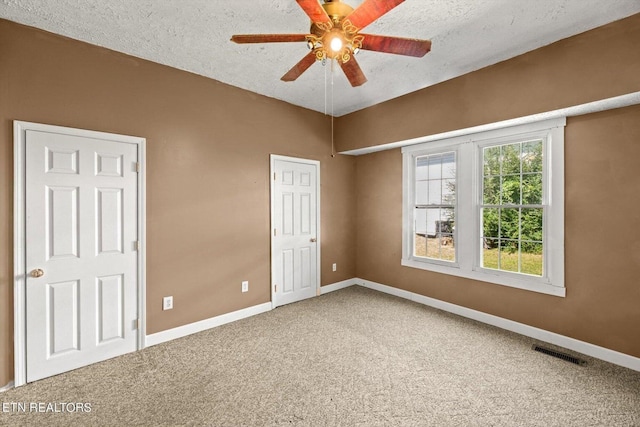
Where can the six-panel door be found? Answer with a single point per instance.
(81, 229)
(295, 226)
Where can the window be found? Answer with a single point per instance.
(511, 209)
(434, 206)
(489, 206)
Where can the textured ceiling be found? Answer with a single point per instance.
(193, 35)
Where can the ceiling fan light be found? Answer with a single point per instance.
(356, 50)
(336, 44)
(310, 44)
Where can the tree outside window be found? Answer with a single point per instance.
(512, 207)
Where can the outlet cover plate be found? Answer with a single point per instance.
(167, 303)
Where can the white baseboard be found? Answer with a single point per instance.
(9, 386)
(337, 286)
(582, 347)
(203, 325)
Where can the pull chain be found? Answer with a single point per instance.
(332, 145)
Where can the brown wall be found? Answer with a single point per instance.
(598, 64)
(208, 147)
(602, 245)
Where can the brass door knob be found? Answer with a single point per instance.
(312, 240)
(37, 273)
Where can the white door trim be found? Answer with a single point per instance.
(19, 233)
(316, 163)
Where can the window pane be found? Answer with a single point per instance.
(491, 190)
(433, 247)
(531, 224)
(531, 258)
(509, 255)
(532, 189)
(435, 192)
(441, 247)
(433, 215)
(490, 221)
(421, 168)
(420, 220)
(509, 223)
(435, 167)
(510, 159)
(532, 156)
(449, 192)
(490, 253)
(491, 161)
(449, 165)
(448, 218)
(422, 192)
(420, 245)
(511, 190)
(434, 233)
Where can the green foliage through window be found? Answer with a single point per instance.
(512, 207)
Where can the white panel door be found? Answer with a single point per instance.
(295, 269)
(81, 261)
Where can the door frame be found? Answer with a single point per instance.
(19, 233)
(316, 163)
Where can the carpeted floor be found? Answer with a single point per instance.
(354, 357)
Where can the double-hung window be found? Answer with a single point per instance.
(488, 206)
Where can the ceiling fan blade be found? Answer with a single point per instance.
(300, 67)
(369, 11)
(315, 11)
(268, 38)
(353, 72)
(397, 45)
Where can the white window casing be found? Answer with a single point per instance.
(468, 149)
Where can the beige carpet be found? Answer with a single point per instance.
(354, 357)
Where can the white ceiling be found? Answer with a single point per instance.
(193, 35)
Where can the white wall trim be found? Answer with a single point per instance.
(582, 347)
(19, 235)
(203, 325)
(9, 386)
(337, 286)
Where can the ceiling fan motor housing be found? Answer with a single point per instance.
(338, 40)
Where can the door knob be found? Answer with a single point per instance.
(312, 240)
(37, 273)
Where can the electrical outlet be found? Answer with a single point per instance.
(245, 286)
(167, 303)
(335, 266)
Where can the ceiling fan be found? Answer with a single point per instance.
(335, 34)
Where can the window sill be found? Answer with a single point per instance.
(533, 284)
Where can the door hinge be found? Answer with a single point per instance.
(274, 176)
(274, 231)
(275, 288)
(136, 324)
(136, 245)
(138, 167)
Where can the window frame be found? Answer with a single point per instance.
(469, 169)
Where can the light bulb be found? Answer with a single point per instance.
(336, 44)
